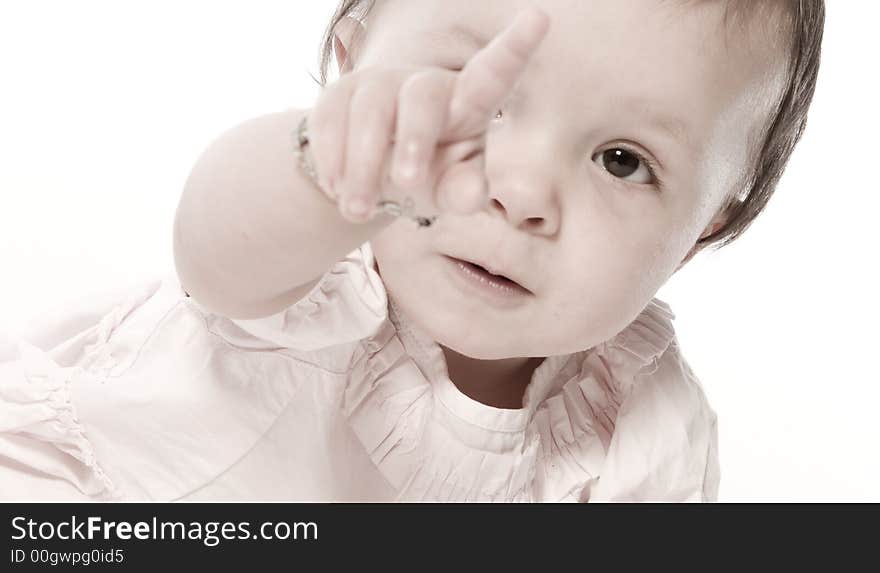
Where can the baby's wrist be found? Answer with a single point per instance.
(307, 166)
(302, 150)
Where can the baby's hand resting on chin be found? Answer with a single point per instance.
(383, 133)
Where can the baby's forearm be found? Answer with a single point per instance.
(252, 234)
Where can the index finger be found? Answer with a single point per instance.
(488, 77)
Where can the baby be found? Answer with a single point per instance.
(444, 290)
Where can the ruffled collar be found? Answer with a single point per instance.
(636, 348)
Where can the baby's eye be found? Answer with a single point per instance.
(624, 163)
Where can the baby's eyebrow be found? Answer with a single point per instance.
(671, 126)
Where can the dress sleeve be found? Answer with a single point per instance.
(347, 305)
(52, 327)
(44, 452)
(79, 397)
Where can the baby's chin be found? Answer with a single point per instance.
(462, 332)
(475, 338)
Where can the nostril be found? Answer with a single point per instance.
(496, 202)
(471, 155)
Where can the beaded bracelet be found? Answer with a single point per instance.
(301, 148)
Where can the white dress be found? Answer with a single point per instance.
(337, 398)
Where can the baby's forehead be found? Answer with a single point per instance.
(665, 62)
(646, 48)
(582, 29)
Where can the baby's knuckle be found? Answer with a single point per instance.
(372, 89)
(363, 98)
(432, 90)
(413, 145)
(416, 84)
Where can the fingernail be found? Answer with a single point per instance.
(356, 206)
(408, 164)
(407, 170)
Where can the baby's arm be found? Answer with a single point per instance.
(250, 224)
(253, 234)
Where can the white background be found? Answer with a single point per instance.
(105, 107)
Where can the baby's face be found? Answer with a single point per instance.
(593, 235)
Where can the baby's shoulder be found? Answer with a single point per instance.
(673, 377)
(665, 444)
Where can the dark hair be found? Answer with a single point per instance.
(803, 22)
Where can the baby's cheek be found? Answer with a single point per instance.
(635, 277)
(601, 292)
(667, 238)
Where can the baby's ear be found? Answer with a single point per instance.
(716, 223)
(347, 31)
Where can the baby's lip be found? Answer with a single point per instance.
(493, 269)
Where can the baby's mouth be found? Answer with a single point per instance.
(499, 280)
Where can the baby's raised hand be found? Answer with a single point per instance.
(379, 132)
